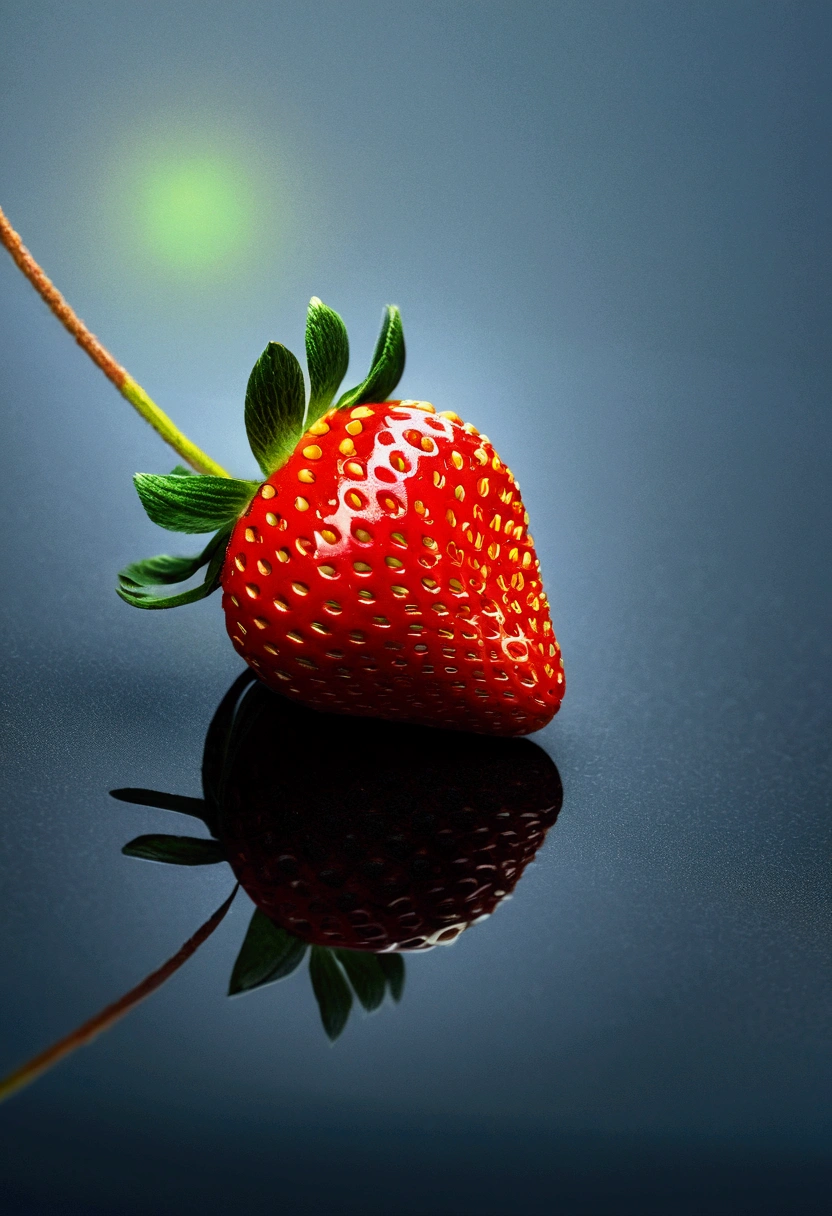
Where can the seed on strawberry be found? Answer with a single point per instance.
(384, 567)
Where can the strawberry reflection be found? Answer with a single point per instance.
(356, 840)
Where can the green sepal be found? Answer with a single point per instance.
(331, 990)
(327, 357)
(140, 597)
(268, 953)
(163, 570)
(176, 850)
(193, 504)
(181, 470)
(196, 807)
(275, 406)
(387, 365)
(365, 975)
(393, 967)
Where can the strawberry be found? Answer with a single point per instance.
(378, 836)
(383, 567)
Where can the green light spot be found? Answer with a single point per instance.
(196, 212)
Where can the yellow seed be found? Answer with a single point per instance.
(518, 532)
(240, 561)
(235, 601)
(361, 411)
(282, 555)
(399, 592)
(457, 460)
(346, 447)
(513, 555)
(300, 588)
(267, 646)
(527, 560)
(423, 405)
(294, 636)
(481, 454)
(253, 590)
(333, 606)
(478, 542)
(251, 534)
(398, 463)
(354, 428)
(319, 628)
(313, 452)
(280, 604)
(393, 563)
(381, 621)
(456, 586)
(328, 571)
(242, 628)
(264, 567)
(429, 542)
(329, 536)
(354, 499)
(438, 479)
(399, 539)
(429, 583)
(367, 597)
(494, 551)
(261, 622)
(459, 493)
(306, 476)
(319, 428)
(419, 507)
(272, 519)
(509, 528)
(451, 518)
(282, 675)
(482, 487)
(361, 567)
(301, 504)
(426, 443)
(363, 535)
(440, 610)
(268, 491)
(356, 636)
(496, 463)
(547, 626)
(354, 468)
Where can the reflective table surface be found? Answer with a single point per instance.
(617, 273)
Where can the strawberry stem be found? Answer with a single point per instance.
(104, 1020)
(102, 358)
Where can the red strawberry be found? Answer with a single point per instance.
(376, 836)
(384, 567)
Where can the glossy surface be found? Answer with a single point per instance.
(387, 569)
(610, 221)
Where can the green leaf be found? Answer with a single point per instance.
(327, 356)
(176, 850)
(181, 470)
(393, 967)
(140, 597)
(275, 405)
(268, 953)
(162, 570)
(387, 365)
(331, 990)
(193, 504)
(165, 802)
(365, 975)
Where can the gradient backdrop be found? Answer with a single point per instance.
(607, 226)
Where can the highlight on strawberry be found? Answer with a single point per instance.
(349, 864)
(382, 567)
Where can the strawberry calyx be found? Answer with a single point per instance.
(276, 415)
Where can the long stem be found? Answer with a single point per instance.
(104, 1020)
(102, 358)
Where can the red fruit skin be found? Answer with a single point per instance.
(387, 570)
(378, 836)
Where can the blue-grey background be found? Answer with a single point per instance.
(607, 226)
